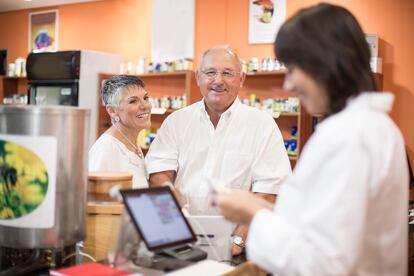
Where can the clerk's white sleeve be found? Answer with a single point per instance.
(325, 236)
(163, 152)
(271, 165)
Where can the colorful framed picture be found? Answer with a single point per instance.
(43, 31)
(265, 19)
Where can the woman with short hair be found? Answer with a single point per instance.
(127, 103)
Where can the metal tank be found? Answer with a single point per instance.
(70, 126)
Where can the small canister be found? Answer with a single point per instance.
(12, 68)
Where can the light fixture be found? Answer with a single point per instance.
(27, 0)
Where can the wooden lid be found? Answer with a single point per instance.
(113, 176)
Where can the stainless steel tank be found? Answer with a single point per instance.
(70, 126)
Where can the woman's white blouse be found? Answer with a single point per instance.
(110, 154)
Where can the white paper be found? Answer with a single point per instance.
(172, 30)
(264, 23)
(206, 267)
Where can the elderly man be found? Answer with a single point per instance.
(218, 139)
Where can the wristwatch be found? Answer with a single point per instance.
(237, 240)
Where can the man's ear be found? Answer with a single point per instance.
(242, 78)
(197, 76)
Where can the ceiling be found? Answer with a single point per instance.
(12, 5)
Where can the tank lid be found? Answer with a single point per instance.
(44, 109)
(114, 176)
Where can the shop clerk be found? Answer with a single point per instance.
(344, 210)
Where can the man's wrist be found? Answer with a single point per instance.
(239, 241)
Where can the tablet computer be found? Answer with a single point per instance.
(158, 218)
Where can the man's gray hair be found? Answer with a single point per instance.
(220, 47)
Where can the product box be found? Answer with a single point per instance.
(372, 40)
(376, 65)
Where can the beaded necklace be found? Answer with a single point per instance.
(138, 150)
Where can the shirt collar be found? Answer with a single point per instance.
(226, 114)
(380, 101)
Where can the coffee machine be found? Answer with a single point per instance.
(70, 78)
(43, 186)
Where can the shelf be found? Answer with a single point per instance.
(161, 111)
(267, 73)
(276, 115)
(163, 74)
(14, 78)
(158, 85)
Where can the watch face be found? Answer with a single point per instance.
(238, 240)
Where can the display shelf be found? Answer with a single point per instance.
(263, 84)
(266, 85)
(161, 111)
(276, 115)
(267, 73)
(270, 85)
(158, 85)
(10, 86)
(163, 74)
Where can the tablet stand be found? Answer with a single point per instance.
(129, 246)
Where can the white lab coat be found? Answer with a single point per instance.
(344, 210)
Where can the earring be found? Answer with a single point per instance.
(117, 119)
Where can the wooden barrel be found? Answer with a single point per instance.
(103, 219)
(100, 184)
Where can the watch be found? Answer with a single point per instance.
(237, 240)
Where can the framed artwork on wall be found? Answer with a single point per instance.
(43, 31)
(265, 19)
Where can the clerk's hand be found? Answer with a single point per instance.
(238, 206)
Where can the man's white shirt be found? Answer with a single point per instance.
(245, 151)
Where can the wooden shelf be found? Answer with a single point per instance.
(162, 111)
(10, 86)
(14, 78)
(158, 85)
(282, 114)
(163, 74)
(267, 73)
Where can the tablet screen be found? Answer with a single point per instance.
(157, 217)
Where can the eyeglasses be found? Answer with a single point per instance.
(212, 74)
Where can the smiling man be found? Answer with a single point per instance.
(218, 140)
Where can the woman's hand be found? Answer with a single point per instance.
(239, 206)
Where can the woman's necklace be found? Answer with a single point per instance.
(138, 150)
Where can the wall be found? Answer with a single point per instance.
(226, 22)
(114, 26)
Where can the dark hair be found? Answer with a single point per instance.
(327, 43)
(112, 87)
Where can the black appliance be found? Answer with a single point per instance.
(53, 78)
(3, 61)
